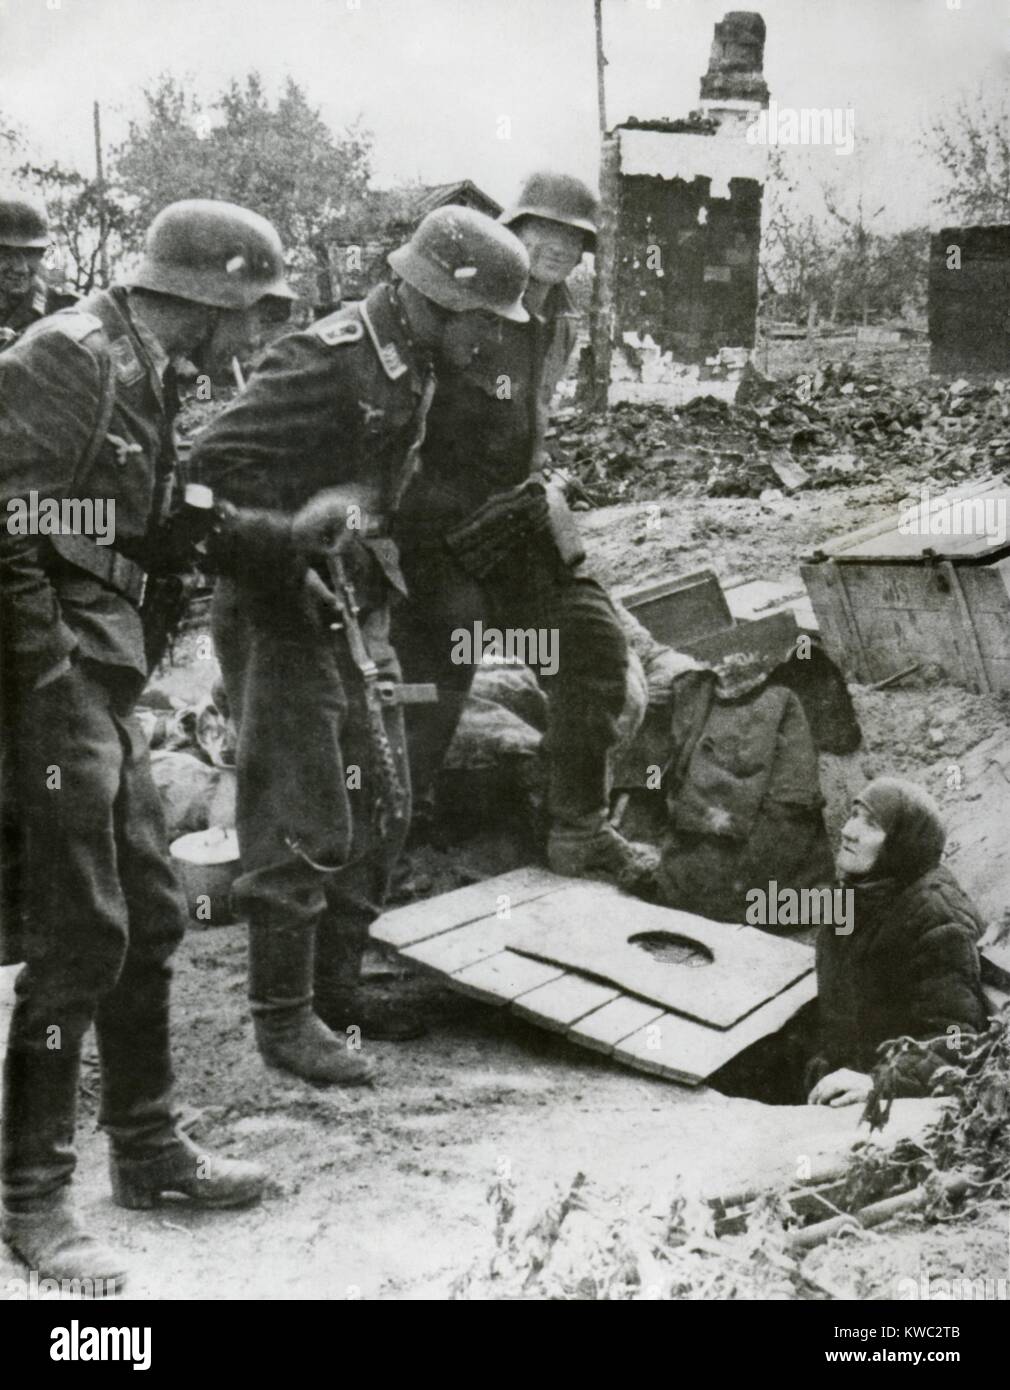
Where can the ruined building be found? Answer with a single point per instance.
(969, 301)
(678, 261)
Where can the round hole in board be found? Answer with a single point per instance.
(670, 949)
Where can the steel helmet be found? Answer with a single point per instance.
(213, 253)
(22, 225)
(558, 198)
(463, 260)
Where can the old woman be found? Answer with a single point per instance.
(909, 966)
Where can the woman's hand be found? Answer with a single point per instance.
(842, 1087)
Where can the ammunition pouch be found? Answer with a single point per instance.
(513, 525)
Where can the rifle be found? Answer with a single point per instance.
(390, 803)
(172, 574)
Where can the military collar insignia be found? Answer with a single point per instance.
(392, 363)
(388, 353)
(128, 366)
(158, 359)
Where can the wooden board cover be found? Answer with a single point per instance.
(418, 921)
(466, 936)
(574, 929)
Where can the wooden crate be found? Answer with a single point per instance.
(678, 611)
(691, 613)
(887, 601)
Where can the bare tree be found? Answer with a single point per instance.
(971, 143)
(11, 146)
(834, 263)
(797, 260)
(75, 208)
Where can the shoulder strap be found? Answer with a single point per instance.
(80, 323)
(396, 483)
(106, 405)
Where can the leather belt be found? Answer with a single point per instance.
(104, 563)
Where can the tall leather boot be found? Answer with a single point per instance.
(289, 1034)
(38, 1223)
(149, 1157)
(342, 1001)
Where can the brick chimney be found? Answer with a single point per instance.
(734, 89)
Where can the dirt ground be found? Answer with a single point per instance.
(381, 1193)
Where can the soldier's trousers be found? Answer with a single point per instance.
(104, 914)
(585, 696)
(310, 846)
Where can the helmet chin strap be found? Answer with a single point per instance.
(202, 349)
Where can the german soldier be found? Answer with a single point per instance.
(25, 297)
(86, 405)
(324, 438)
(468, 557)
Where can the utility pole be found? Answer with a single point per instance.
(600, 314)
(601, 63)
(103, 229)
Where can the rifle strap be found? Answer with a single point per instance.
(106, 405)
(400, 478)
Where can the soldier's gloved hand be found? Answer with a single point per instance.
(329, 520)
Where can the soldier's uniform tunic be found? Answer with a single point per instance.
(40, 300)
(104, 911)
(341, 402)
(485, 434)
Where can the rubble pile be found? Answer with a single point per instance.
(838, 425)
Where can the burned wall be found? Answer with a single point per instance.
(969, 301)
(687, 236)
(687, 263)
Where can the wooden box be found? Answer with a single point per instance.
(889, 599)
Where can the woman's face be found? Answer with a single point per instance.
(862, 840)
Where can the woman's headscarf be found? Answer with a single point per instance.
(912, 824)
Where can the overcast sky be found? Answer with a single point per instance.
(433, 78)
